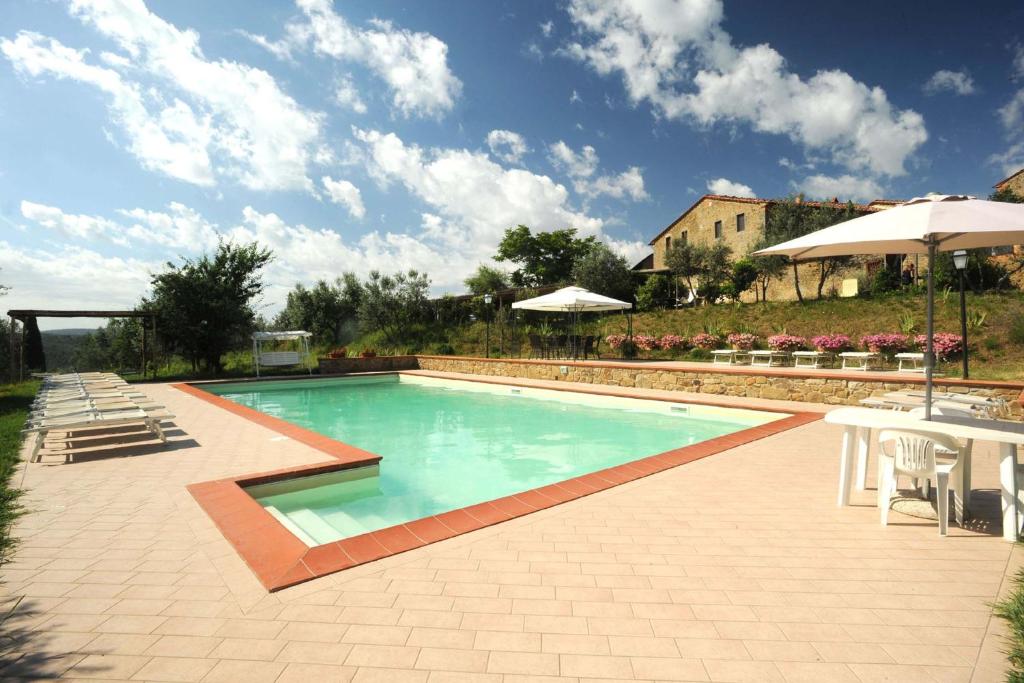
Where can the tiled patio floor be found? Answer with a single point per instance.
(738, 567)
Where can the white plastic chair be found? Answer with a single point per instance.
(963, 453)
(913, 454)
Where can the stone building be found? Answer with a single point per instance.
(739, 222)
(1014, 183)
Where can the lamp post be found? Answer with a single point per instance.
(960, 261)
(487, 342)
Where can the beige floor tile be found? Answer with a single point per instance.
(235, 670)
(183, 669)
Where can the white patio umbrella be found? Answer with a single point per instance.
(573, 300)
(924, 225)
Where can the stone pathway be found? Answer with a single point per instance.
(738, 567)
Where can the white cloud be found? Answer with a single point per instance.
(179, 227)
(346, 194)
(167, 137)
(547, 28)
(574, 97)
(944, 80)
(347, 97)
(72, 277)
(1011, 115)
(582, 168)
(843, 187)
(507, 145)
(184, 115)
(730, 188)
(676, 55)
(414, 65)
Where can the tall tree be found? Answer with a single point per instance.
(603, 271)
(768, 267)
(204, 305)
(704, 267)
(394, 304)
(791, 218)
(35, 357)
(543, 258)
(486, 279)
(325, 309)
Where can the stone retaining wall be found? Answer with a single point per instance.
(812, 387)
(343, 366)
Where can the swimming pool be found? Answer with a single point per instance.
(449, 444)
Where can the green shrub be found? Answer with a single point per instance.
(1011, 609)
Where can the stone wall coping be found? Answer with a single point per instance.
(783, 373)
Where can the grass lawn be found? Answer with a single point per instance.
(1011, 609)
(14, 404)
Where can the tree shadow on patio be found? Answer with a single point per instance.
(28, 651)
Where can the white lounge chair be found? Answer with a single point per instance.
(914, 360)
(813, 359)
(861, 360)
(768, 358)
(113, 418)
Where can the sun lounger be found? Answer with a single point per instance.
(813, 359)
(730, 357)
(113, 418)
(915, 361)
(768, 358)
(861, 360)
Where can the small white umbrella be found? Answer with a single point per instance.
(924, 225)
(573, 300)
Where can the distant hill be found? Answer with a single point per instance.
(70, 332)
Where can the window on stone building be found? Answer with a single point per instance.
(682, 237)
(718, 230)
(741, 222)
(668, 243)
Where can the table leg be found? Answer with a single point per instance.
(863, 446)
(1008, 482)
(846, 465)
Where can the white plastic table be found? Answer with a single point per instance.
(859, 422)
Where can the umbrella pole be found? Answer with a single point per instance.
(929, 352)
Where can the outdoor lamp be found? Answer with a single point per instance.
(960, 261)
(487, 340)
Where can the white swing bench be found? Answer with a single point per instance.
(278, 359)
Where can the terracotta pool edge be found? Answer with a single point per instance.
(280, 560)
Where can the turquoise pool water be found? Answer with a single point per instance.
(447, 445)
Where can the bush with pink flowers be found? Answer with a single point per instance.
(885, 342)
(831, 343)
(703, 340)
(616, 340)
(946, 344)
(742, 341)
(786, 342)
(670, 342)
(645, 342)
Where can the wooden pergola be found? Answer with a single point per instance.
(21, 315)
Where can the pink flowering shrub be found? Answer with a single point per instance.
(705, 341)
(946, 344)
(645, 342)
(616, 340)
(885, 342)
(672, 341)
(833, 343)
(742, 341)
(786, 342)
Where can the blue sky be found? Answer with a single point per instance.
(387, 135)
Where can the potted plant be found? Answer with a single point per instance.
(885, 342)
(742, 341)
(341, 352)
(830, 343)
(946, 344)
(786, 342)
(671, 342)
(368, 353)
(705, 341)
